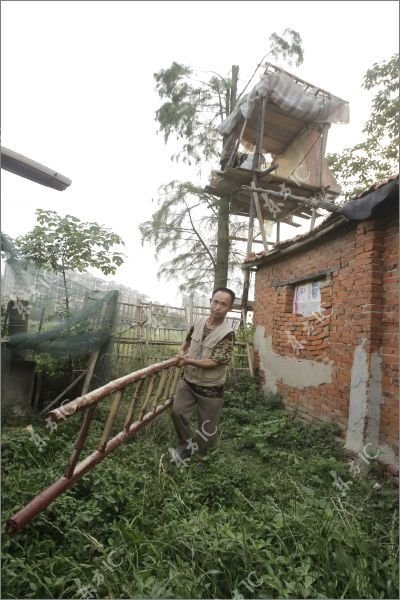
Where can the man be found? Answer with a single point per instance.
(205, 355)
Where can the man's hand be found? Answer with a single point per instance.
(181, 359)
(201, 363)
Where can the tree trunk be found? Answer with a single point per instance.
(221, 268)
(233, 94)
(67, 316)
(66, 294)
(222, 263)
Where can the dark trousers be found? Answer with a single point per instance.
(208, 411)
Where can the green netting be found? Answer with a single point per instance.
(82, 332)
(41, 330)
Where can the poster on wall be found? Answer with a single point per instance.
(307, 298)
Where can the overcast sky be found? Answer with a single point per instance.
(77, 94)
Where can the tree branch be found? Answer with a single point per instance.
(251, 78)
(221, 110)
(199, 236)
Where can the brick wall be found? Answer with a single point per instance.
(359, 305)
(390, 336)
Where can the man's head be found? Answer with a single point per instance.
(221, 303)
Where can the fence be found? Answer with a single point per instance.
(147, 333)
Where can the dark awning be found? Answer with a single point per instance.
(361, 208)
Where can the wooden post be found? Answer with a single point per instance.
(260, 220)
(38, 375)
(190, 310)
(309, 202)
(278, 232)
(41, 318)
(236, 147)
(249, 357)
(61, 394)
(90, 370)
(313, 217)
(38, 387)
(222, 257)
(252, 211)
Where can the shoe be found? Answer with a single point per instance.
(183, 453)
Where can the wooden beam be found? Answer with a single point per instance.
(236, 147)
(237, 305)
(307, 201)
(256, 165)
(313, 217)
(240, 239)
(307, 277)
(260, 218)
(61, 394)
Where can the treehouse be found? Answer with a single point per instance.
(285, 120)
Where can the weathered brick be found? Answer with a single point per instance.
(362, 296)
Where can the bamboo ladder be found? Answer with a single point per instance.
(153, 394)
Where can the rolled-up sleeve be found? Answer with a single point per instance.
(222, 352)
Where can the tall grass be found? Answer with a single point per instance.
(263, 520)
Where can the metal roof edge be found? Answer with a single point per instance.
(29, 169)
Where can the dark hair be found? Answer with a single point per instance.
(226, 291)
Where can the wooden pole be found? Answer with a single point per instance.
(260, 220)
(236, 147)
(307, 201)
(313, 217)
(240, 239)
(278, 232)
(90, 370)
(71, 385)
(38, 375)
(41, 318)
(249, 358)
(256, 164)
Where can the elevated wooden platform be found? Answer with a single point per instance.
(228, 184)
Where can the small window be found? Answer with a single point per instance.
(307, 298)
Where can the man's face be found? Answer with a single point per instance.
(221, 303)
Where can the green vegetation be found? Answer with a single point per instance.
(376, 157)
(263, 520)
(193, 225)
(64, 244)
